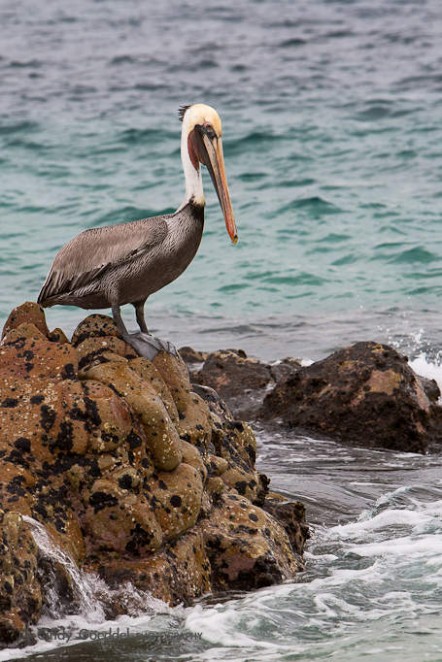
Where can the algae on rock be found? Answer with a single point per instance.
(135, 476)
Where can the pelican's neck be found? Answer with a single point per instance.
(193, 179)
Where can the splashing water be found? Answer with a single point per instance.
(86, 586)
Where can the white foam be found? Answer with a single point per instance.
(86, 586)
(402, 547)
(92, 594)
(416, 520)
(368, 571)
(425, 368)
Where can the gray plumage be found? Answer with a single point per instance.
(125, 263)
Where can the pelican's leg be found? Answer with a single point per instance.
(142, 341)
(116, 314)
(139, 312)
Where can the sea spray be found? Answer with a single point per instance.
(93, 600)
(85, 586)
(429, 368)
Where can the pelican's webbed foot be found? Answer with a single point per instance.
(149, 346)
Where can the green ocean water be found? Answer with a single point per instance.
(332, 116)
(332, 131)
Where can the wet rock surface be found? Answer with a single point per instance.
(133, 473)
(241, 381)
(363, 395)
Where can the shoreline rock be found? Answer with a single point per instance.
(134, 474)
(241, 381)
(362, 395)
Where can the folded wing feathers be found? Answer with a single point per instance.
(59, 283)
(93, 252)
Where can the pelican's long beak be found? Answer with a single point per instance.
(215, 165)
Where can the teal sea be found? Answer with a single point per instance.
(332, 117)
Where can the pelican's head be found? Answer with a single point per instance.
(201, 136)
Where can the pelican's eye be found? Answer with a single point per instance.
(209, 131)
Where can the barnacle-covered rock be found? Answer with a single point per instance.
(20, 589)
(127, 470)
(247, 548)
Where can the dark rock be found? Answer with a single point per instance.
(431, 388)
(242, 382)
(190, 355)
(363, 395)
(281, 370)
(231, 373)
(291, 514)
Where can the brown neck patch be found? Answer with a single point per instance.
(192, 147)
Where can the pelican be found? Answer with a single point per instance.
(111, 266)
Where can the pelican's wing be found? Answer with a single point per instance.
(90, 254)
